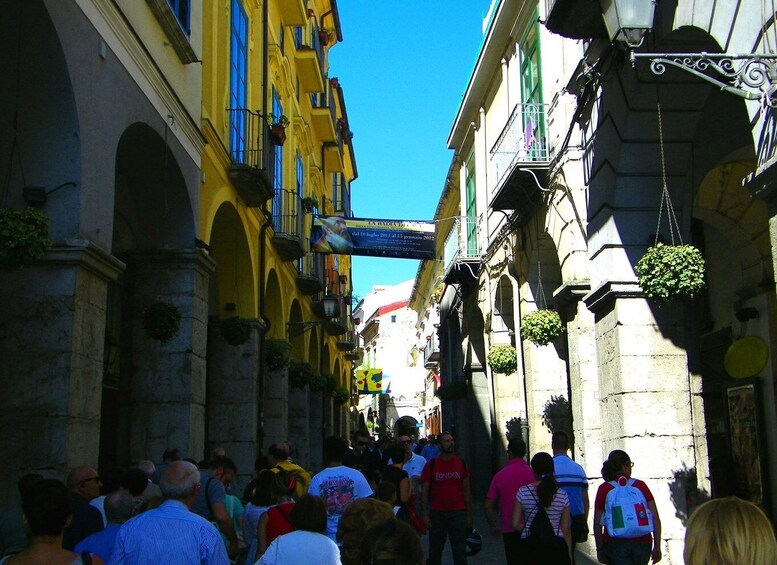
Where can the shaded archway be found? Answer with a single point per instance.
(274, 306)
(234, 280)
(406, 426)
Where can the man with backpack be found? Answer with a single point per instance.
(446, 502)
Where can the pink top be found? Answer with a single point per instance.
(504, 487)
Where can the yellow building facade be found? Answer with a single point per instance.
(278, 152)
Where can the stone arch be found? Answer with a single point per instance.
(296, 338)
(274, 306)
(314, 349)
(39, 132)
(233, 281)
(406, 426)
(152, 208)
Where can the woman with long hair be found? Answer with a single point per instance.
(277, 520)
(729, 531)
(616, 471)
(543, 503)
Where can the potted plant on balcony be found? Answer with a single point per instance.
(502, 359)
(278, 129)
(325, 35)
(541, 327)
(24, 237)
(669, 272)
(162, 321)
(309, 203)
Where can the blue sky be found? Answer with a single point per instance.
(403, 66)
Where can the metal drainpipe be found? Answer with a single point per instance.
(262, 233)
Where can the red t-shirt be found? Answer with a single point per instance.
(446, 483)
(601, 498)
(278, 521)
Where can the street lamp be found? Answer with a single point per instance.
(628, 21)
(752, 76)
(331, 309)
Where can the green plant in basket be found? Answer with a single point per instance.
(277, 354)
(162, 321)
(236, 330)
(340, 395)
(300, 374)
(668, 272)
(541, 327)
(24, 237)
(502, 359)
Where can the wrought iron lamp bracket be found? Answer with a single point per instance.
(752, 76)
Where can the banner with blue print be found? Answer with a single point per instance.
(401, 239)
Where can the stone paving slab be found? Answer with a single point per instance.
(493, 550)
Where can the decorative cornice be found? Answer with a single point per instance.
(604, 296)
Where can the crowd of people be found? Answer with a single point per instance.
(370, 504)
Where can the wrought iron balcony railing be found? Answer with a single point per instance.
(252, 154)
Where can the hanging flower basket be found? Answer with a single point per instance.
(235, 330)
(669, 272)
(456, 390)
(317, 383)
(300, 374)
(331, 383)
(541, 327)
(502, 359)
(340, 395)
(276, 354)
(24, 237)
(162, 321)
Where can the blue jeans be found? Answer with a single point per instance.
(452, 524)
(620, 552)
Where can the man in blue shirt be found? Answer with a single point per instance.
(119, 507)
(171, 533)
(572, 478)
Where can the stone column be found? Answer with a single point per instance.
(647, 395)
(583, 377)
(52, 325)
(167, 393)
(299, 429)
(232, 398)
(275, 406)
(315, 431)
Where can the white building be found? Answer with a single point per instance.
(386, 326)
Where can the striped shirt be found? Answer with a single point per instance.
(526, 497)
(571, 477)
(169, 534)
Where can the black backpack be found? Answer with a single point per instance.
(540, 529)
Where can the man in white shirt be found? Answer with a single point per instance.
(337, 485)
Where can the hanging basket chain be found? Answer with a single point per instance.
(674, 226)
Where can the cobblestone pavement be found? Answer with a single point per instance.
(493, 550)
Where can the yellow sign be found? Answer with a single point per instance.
(371, 381)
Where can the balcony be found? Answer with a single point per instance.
(252, 154)
(518, 161)
(354, 355)
(309, 59)
(576, 19)
(432, 352)
(347, 341)
(323, 114)
(310, 274)
(293, 12)
(287, 221)
(461, 253)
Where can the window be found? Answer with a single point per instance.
(237, 82)
(181, 9)
(300, 176)
(393, 319)
(277, 112)
(531, 91)
(471, 203)
(298, 37)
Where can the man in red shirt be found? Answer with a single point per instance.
(502, 491)
(447, 502)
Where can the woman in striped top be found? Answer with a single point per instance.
(543, 493)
